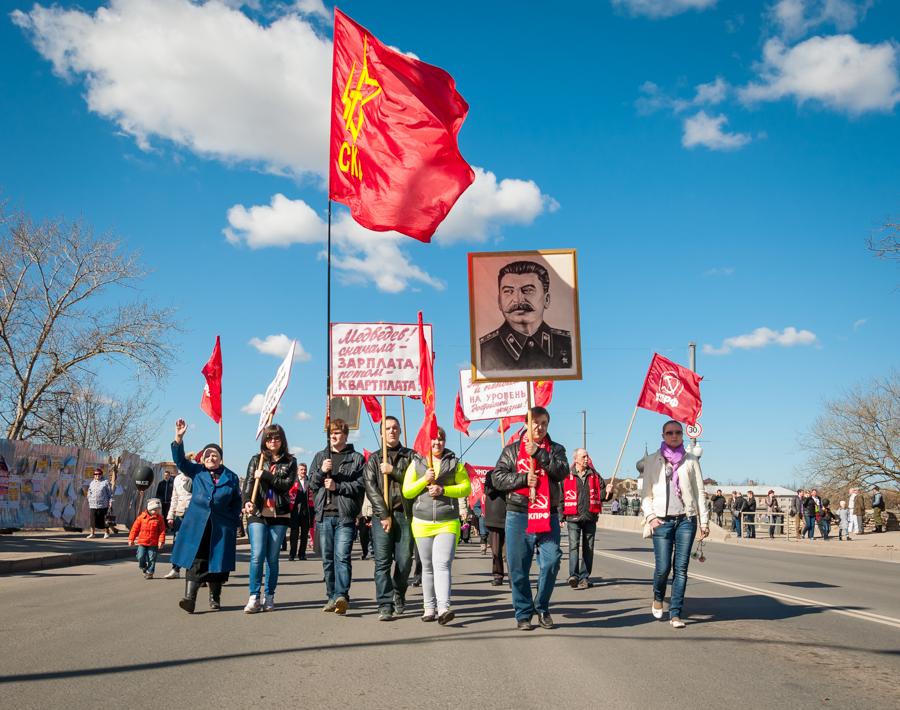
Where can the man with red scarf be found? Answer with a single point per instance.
(534, 525)
(583, 493)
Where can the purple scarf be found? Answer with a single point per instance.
(674, 457)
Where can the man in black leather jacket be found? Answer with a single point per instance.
(520, 545)
(391, 531)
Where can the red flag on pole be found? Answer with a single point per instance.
(394, 158)
(507, 422)
(672, 390)
(429, 429)
(373, 407)
(460, 420)
(543, 393)
(212, 392)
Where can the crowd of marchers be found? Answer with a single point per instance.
(529, 495)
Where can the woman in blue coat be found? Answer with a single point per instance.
(206, 542)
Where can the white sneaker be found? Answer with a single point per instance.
(252, 605)
(657, 613)
(174, 574)
(90, 536)
(677, 623)
(269, 604)
(105, 535)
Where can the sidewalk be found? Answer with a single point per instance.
(34, 550)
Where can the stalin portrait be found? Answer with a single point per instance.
(525, 341)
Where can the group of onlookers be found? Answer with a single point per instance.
(623, 505)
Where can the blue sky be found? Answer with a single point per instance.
(718, 164)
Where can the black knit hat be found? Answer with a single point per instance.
(213, 446)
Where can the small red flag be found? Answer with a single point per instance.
(373, 407)
(672, 390)
(394, 157)
(429, 429)
(367, 454)
(212, 392)
(460, 420)
(515, 437)
(543, 393)
(507, 422)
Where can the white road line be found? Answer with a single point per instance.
(877, 618)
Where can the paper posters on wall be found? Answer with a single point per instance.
(68, 513)
(42, 468)
(39, 507)
(13, 495)
(56, 509)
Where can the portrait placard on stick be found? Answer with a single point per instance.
(523, 316)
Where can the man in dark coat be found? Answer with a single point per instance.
(164, 491)
(582, 523)
(495, 522)
(718, 508)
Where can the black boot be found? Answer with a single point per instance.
(190, 596)
(215, 595)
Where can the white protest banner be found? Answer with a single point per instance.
(275, 390)
(378, 359)
(491, 400)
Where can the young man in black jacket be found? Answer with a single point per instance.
(583, 492)
(391, 528)
(718, 508)
(336, 480)
(512, 475)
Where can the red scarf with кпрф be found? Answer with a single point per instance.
(570, 492)
(539, 511)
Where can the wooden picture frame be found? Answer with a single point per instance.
(346, 408)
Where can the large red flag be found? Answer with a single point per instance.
(460, 421)
(394, 158)
(212, 392)
(543, 393)
(429, 429)
(373, 407)
(672, 390)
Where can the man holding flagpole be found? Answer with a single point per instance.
(532, 525)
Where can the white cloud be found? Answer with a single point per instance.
(279, 346)
(255, 405)
(303, 417)
(760, 338)
(313, 7)
(840, 72)
(654, 99)
(489, 433)
(795, 18)
(707, 131)
(205, 77)
(662, 8)
(300, 451)
(859, 323)
(726, 271)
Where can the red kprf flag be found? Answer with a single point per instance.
(394, 158)
(460, 420)
(212, 392)
(373, 407)
(672, 390)
(543, 393)
(429, 429)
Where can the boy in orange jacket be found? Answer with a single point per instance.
(150, 531)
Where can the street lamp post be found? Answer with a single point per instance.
(62, 401)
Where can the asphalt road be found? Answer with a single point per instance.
(765, 629)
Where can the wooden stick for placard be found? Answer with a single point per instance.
(532, 492)
(387, 490)
(612, 482)
(260, 465)
(403, 415)
(502, 434)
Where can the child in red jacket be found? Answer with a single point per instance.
(150, 531)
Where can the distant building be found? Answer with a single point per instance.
(710, 482)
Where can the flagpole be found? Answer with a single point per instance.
(403, 414)
(221, 442)
(502, 434)
(623, 446)
(328, 343)
(532, 492)
(387, 490)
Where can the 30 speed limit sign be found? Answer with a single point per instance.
(693, 431)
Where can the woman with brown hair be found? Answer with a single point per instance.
(268, 506)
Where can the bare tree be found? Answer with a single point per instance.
(856, 439)
(59, 313)
(887, 246)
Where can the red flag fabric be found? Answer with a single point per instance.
(211, 403)
(672, 390)
(543, 393)
(507, 422)
(515, 437)
(373, 407)
(477, 474)
(429, 428)
(394, 157)
(460, 420)
(367, 454)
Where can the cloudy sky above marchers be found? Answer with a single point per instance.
(717, 163)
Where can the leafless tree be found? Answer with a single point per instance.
(856, 439)
(886, 246)
(63, 308)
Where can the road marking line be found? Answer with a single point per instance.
(877, 618)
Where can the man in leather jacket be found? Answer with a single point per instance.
(391, 531)
(520, 545)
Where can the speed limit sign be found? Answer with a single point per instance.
(693, 431)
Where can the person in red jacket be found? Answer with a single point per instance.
(149, 530)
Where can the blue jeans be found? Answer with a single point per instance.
(520, 548)
(394, 547)
(336, 543)
(146, 557)
(583, 533)
(809, 525)
(265, 544)
(825, 529)
(672, 542)
(482, 530)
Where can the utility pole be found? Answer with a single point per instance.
(583, 429)
(692, 363)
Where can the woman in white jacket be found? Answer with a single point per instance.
(673, 500)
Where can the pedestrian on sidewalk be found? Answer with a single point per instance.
(718, 508)
(826, 518)
(149, 534)
(635, 505)
(392, 526)
(674, 499)
(750, 515)
(738, 503)
(495, 524)
(269, 512)
(878, 507)
(809, 516)
(614, 507)
(772, 508)
(299, 527)
(182, 487)
(513, 474)
(797, 512)
(207, 541)
(336, 480)
(857, 507)
(164, 491)
(436, 487)
(583, 493)
(843, 514)
(100, 500)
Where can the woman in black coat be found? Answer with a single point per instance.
(495, 522)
